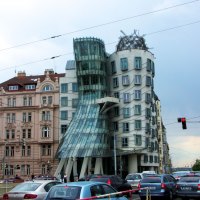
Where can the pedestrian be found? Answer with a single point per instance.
(65, 178)
(32, 176)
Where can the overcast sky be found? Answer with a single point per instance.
(172, 29)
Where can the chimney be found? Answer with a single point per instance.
(21, 74)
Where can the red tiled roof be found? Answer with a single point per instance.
(26, 80)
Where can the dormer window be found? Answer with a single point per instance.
(47, 88)
(13, 87)
(30, 87)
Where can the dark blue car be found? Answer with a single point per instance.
(162, 186)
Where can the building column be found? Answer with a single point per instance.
(132, 163)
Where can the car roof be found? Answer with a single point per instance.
(41, 181)
(81, 183)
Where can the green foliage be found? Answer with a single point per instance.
(196, 166)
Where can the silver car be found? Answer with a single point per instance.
(36, 189)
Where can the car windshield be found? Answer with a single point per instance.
(104, 180)
(180, 174)
(133, 177)
(26, 187)
(64, 192)
(189, 179)
(151, 180)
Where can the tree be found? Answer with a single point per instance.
(196, 166)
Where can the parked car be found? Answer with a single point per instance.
(178, 174)
(162, 186)
(188, 186)
(115, 181)
(134, 179)
(36, 189)
(82, 190)
(88, 177)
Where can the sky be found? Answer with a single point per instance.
(34, 31)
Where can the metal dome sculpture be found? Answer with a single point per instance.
(133, 41)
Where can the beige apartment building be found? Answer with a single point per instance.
(29, 124)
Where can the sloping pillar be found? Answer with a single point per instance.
(69, 168)
(98, 166)
(60, 165)
(84, 167)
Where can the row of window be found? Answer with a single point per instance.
(126, 111)
(46, 150)
(137, 65)
(138, 142)
(137, 95)
(27, 133)
(30, 87)
(25, 169)
(64, 102)
(150, 159)
(137, 81)
(64, 87)
(137, 125)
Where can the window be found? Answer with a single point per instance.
(152, 68)
(49, 99)
(146, 142)
(74, 87)
(12, 151)
(47, 88)
(26, 117)
(116, 95)
(147, 113)
(127, 97)
(148, 65)
(151, 159)
(137, 94)
(28, 150)
(148, 81)
(74, 103)
(147, 128)
(64, 88)
(7, 134)
(45, 132)
(64, 101)
(126, 112)
(125, 80)
(124, 64)
(63, 128)
(13, 118)
(30, 101)
(138, 140)
(115, 126)
(13, 87)
(147, 98)
(116, 111)
(29, 133)
(138, 63)
(115, 82)
(137, 110)
(25, 101)
(44, 100)
(138, 125)
(113, 67)
(29, 87)
(124, 142)
(46, 116)
(23, 151)
(64, 115)
(46, 150)
(138, 80)
(126, 127)
(145, 158)
(13, 134)
(11, 102)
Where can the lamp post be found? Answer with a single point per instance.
(3, 160)
(115, 155)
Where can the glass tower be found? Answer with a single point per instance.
(87, 134)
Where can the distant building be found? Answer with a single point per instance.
(29, 125)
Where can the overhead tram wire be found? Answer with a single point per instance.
(99, 25)
(53, 57)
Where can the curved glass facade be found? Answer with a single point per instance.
(88, 133)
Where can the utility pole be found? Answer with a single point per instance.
(115, 155)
